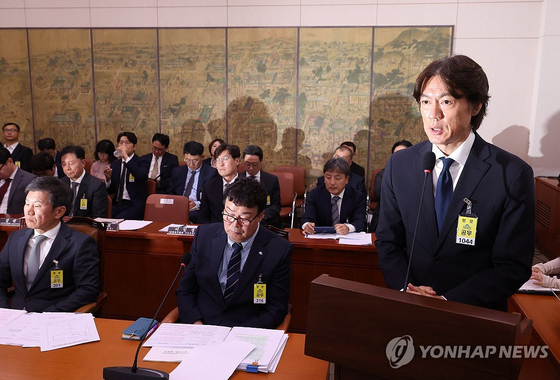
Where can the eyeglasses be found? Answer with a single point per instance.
(252, 164)
(223, 159)
(231, 219)
(10, 130)
(192, 161)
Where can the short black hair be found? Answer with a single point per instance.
(77, 150)
(105, 146)
(46, 143)
(41, 162)
(59, 193)
(14, 124)
(4, 155)
(338, 164)
(344, 147)
(350, 144)
(233, 150)
(163, 139)
(129, 135)
(193, 148)
(253, 150)
(406, 143)
(247, 192)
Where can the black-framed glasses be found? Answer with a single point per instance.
(231, 219)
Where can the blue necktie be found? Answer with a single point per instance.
(444, 191)
(233, 270)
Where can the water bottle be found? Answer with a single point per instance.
(117, 153)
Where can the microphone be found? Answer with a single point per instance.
(428, 164)
(135, 373)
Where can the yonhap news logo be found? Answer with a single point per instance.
(400, 351)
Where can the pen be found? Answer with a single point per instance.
(152, 330)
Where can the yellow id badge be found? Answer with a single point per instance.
(466, 229)
(56, 279)
(83, 204)
(130, 177)
(268, 200)
(18, 164)
(260, 294)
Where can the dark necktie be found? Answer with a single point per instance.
(34, 259)
(233, 270)
(334, 210)
(253, 177)
(74, 191)
(444, 191)
(4, 188)
(121, 184)
(190, 183)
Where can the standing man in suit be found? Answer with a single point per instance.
(48, 145)
(230, 260)
(126, 178)
(188, 180)
(214, 191)
(52, 266)
(354, 167)
(160, 162)
(89, 195)
(335, 203)
(21, 155)
(354, 180)
(253, 156)
(476, 236)
(13, 182)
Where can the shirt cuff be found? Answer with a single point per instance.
(351, 227)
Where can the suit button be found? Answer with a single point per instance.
(437, 260)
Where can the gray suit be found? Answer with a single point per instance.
(16, 197)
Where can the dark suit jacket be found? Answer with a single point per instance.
(501, 187)
(78, 258)
(23, 154)
(355, 181)
(272, 210)
(200, 297)
(179, 179)
(357, 169)
(168, 163)
(16, 197)
(352, 210)
(58, 163)
(212, 201)
(95, 192)
(138, 188)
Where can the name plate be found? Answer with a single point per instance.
(114, 226)
(12, 222)
(182, 230)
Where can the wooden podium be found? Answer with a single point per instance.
(371, 332)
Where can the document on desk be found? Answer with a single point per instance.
(133, 225)
(59, 330)
(354, 238)
(9, 315)
(531, 288)
(212, 362)
(24, 331)
(186, 336)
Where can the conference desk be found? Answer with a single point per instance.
(545, 313)
(138, 267)
(86, 361)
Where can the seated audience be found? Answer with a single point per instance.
(33, 257)
(211, 161)
(354, 167)
(356, 181)
(126, 179)
(89, 195)
(103, 157)
(21, 155)
(13, 182)
(160, 162)
(335, 203)
(188, 180)
(252, 157)
(42, 165)
(541, 274)
(229, 258)
(48, 145)
(214, 191)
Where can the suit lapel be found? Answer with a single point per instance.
(428, 213)
(15, 184)
(218, 246)
(17, 258)
(324, 199)
(345, 207)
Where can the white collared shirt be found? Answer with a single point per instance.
(45, 247)
(4, 203)
(11, 147)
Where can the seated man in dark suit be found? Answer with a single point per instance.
(354, 167)
(48, 145)
(229, 259)
(356, 181)
(188, 180)
(89, 195)
(213, 192)
(21, 155)
(52, 266)
(335, 203)
(126, 178)
(253, 156)
(42, 164)
(160, 162)
(13, 182)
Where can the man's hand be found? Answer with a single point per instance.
(426, 291)
(309, 228)
(341, 229)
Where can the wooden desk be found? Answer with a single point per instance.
(545, 313)
(86, 361)
(547, 193)
(140, 265)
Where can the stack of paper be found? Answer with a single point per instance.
(354, 238)
(172, 342)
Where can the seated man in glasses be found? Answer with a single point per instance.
(239, 274)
